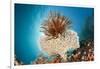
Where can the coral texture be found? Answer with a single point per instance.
(61, 44)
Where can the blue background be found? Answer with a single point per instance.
(28, 19)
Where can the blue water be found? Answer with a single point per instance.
(28, 19)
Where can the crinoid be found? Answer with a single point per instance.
(55, 24)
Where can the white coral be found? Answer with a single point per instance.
(61, 44)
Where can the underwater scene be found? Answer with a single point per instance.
(46, 34)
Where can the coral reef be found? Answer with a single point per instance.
(84, 53)
(60, 43)
(58, 37)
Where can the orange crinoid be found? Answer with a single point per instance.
(55, 24)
